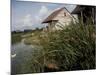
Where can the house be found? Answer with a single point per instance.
(85, 13)
(58, 19)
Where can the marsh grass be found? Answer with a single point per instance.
(72, 48)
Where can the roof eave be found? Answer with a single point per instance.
(49, 21)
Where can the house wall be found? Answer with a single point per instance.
(64, 18)
(51, 26)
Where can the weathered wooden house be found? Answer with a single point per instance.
(85, 13)
(58, 19)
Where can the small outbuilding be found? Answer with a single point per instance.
(85, 13)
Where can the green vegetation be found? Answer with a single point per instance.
(31, 37)
(73, 48)
(16, 37)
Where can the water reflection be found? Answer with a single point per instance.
(22, 56)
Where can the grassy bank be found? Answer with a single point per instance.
(29, 37)
(15, 38)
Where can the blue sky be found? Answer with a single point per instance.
(29, 15)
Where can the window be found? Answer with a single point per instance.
(64, 14)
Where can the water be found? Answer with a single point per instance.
(21, 57)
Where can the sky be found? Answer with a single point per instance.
(29, 14)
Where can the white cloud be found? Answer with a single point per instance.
(27, 20)
(41, 14)
(43, 10)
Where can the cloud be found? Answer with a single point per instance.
(27, 20)
(43, 12)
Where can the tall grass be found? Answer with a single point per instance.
(72, 48)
